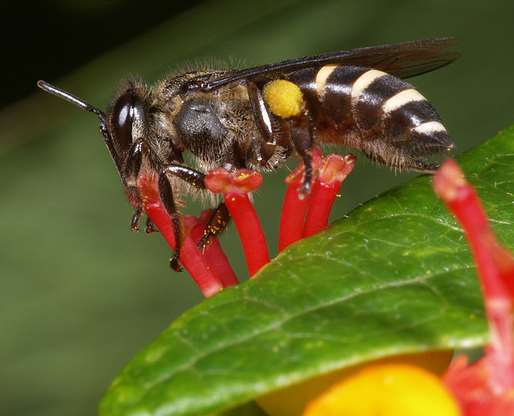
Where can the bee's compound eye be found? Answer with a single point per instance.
(121, 121)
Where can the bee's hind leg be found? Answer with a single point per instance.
(302, 137)
(281, 109)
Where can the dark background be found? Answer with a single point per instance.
(79, 293)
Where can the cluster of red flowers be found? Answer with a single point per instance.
(209, 267)
(482, 388)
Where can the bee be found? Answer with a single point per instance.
(256, 118)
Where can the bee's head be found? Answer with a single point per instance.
(121, 126)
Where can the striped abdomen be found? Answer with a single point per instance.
(384, 116)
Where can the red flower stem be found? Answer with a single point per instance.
(235, 186)
(498, 302)
(495, 268)
(190, 256)
(199, 269)
(322, 200)
(332, 173)
(160, 218)
(295, 205)
(292, 218)
(470, 213)
(215, 258)
(463, 201)
(249, 229)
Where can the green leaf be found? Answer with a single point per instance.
(394, 277)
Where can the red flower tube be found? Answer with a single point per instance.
(333, 172)
(190, 256)
(213, 253)
(295, 205)
(487, 386)
(235, 187)
(305, 216)
(294, 210)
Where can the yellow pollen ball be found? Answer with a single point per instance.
(284, 98)
(386, 390)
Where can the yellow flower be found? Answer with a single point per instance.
(386, 390)
(292, 401)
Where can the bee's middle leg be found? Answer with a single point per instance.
(217, 223)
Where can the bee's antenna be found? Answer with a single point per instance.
(49, 88)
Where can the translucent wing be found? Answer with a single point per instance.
(403, 60)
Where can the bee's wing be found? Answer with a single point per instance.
(403, 60)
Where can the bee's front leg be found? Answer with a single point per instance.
(218, 221)
(190, 176)
(129, 174)
(166, 196)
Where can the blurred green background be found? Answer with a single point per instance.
(79, 293)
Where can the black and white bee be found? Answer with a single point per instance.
(256, 118)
